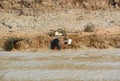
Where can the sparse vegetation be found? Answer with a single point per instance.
(89, 27)
(30, 15)
(38, 1)
(51, 33)
(10, 43)
(88, 4)
(60, 30)
(79, 41)
(112, 2)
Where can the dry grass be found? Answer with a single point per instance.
(89, 28)
(32, 44)
(90, 40)
(96, 41)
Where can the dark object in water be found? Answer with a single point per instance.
(10, 43)
(54, 44)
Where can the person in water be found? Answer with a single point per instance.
(55, 44)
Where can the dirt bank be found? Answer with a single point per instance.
(100, 39)
(31, 20)
(19, 5)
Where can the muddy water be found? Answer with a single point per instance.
(69, 65)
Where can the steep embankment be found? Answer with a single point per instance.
(100, 39)
(33, 19)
